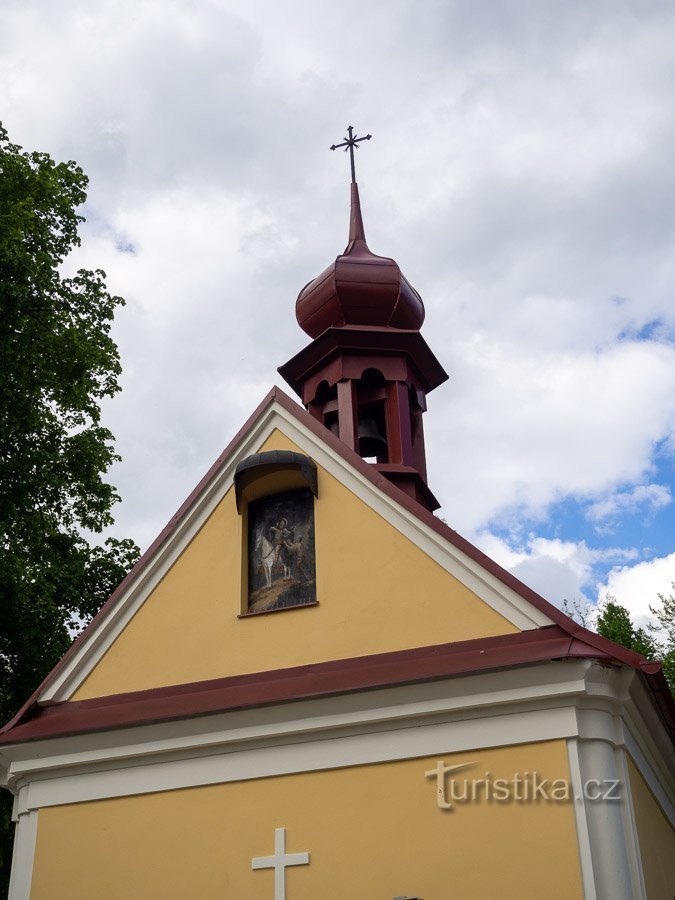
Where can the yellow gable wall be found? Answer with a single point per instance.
(377, 592)
(372, 832)
(656, 838)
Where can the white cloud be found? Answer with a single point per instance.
(521, 173)
(537, 426)
(558, 570)
(648, 498)
(637, 587)
(566, 570)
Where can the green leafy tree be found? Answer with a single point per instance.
(57, 363)
(665, 616)
(614, 622)
(657, 642)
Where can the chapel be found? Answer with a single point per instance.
(311, 686)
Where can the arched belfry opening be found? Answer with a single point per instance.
(368, 370)
(371, 416)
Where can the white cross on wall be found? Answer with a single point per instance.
(279, 862)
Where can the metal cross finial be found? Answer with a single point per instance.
(351, 143)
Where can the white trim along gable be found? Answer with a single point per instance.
(503, 599)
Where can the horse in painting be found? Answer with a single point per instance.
(268, 554)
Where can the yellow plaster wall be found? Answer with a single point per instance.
(656, 838)
(377, 592)
(372, 832)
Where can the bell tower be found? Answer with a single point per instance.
(368, 370)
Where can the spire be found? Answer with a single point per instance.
(356, 232)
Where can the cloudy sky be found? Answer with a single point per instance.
(521, 173)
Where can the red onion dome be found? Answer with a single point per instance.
(359, 288)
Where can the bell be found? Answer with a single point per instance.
(371, 442)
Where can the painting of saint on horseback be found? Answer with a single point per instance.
(281, 566)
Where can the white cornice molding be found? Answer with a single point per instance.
(541, 702)
(468, 696)
(504, 600)
(492, 709)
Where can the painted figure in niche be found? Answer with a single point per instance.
(281, 567)
(280, 539)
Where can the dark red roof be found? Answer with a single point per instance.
(359, 288)
(301, 683)
(568, 639)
